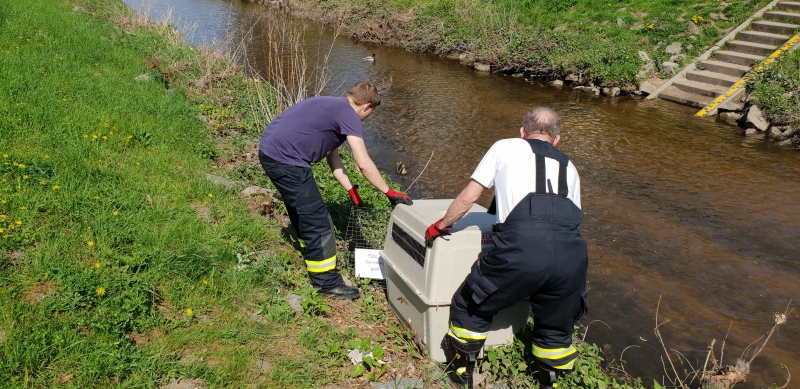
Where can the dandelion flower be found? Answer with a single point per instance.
(105, 137)
(137, 163)
(97, 265)
(192, 287)
(46, 156)
(90, 243)
(210, 195)
(101, 291)
(18, 222)
(105, 125)
(42, 182)
(2, 217)
(205, 282)
(56, 187)
(24, 176)
(96, 197)
(1, 230)
(21, 166)
(85, 135)
(5, 155)
(2, 201)
(189, 311)
(115, 213)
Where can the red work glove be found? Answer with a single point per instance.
(434, 231)
(353, 192)
(398, 198)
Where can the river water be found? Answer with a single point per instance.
(678, 209)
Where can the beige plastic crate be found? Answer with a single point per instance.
(420, 282)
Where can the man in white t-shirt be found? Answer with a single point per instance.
(538, 253)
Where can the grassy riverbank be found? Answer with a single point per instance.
(597, 40)
(123, 264)
(776, 90)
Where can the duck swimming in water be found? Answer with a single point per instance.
(369, 58)
(401, 169)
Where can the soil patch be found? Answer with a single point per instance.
(194, 383)
(38, 292)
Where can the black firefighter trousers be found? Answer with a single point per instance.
(538, 254)
(309, 217)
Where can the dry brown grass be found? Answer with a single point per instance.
(718, 375)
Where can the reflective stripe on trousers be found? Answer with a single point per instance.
(321, 266)
(463, 335)
(559, 358)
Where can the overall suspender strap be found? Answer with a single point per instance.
(541, 175)
(542, 150)
(563, 189)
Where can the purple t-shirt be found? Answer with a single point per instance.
(309, 130)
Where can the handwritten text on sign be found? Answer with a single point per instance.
(369, 264)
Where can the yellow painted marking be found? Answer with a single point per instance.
(733, 89)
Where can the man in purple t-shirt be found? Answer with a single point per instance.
(305, 133)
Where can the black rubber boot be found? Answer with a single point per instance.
(341, 292)
(547, 377)
(462, 366)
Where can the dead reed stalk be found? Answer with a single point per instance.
(281, 74)
(719, 376)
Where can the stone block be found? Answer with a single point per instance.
(482, 67)
(669, 67)
(647, 88)
(673, 48)
(755, 119)
(693, 28)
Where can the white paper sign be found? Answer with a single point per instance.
(369, 264)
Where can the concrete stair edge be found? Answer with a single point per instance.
(678, 96)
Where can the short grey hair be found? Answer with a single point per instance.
(542, 120)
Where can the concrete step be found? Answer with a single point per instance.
(774, 27)
(763, 38)
(726, 68)
(751, 48)
(676, 95)
(712, 78)
(790, 17)
(737, 58)
(699, 88)
(791, 6)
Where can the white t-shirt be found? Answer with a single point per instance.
(510, 165)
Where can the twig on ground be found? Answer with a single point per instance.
(587, 330)
(626, 349)
(788, 376)
(677, 380)
(420, 173)
(708, 355)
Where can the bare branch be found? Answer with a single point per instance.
(587, 329)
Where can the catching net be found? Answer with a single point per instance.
(366, 229)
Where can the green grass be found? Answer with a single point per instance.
(566, 36)
(121, 265)
(775, 89)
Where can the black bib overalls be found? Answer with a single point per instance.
(538, 254)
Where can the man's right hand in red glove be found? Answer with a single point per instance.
(353, 192)
(434, 231)
(398, 198)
